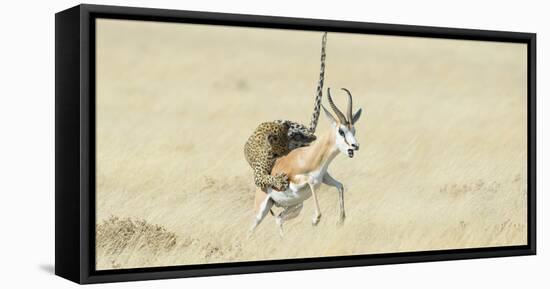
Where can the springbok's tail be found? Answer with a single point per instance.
(319, 93)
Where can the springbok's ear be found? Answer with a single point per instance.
(356, 116)
(329, 116)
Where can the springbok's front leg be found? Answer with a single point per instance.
(317, 216)
(330, 181)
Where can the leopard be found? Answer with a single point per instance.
(268, 142)
(274, 139)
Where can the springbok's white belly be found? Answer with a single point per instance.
(296, 193)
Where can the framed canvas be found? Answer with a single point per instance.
(195, 144)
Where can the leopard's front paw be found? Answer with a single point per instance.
(281, 182)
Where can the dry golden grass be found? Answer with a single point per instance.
(118, 238)
(443, 139)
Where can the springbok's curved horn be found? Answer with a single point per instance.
(350, 105)
(339, 114)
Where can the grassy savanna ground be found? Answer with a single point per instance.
(443, 142)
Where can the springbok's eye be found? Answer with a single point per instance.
(341, 132)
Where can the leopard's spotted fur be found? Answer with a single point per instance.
(274, 139)
(268, 142)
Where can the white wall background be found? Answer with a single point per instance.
(27, 143)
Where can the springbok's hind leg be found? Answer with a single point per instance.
(330, 181)
(288, 214)
(264, 208)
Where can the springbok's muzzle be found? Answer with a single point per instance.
(351, 151)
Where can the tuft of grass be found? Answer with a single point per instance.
(115, 235)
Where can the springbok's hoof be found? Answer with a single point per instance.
(315, 220)
(341, 220)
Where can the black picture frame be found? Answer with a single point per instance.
(75, 143)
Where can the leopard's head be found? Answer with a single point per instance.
(277, 137)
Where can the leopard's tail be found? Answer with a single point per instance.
(319, 92)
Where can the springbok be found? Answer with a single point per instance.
(307, 168)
